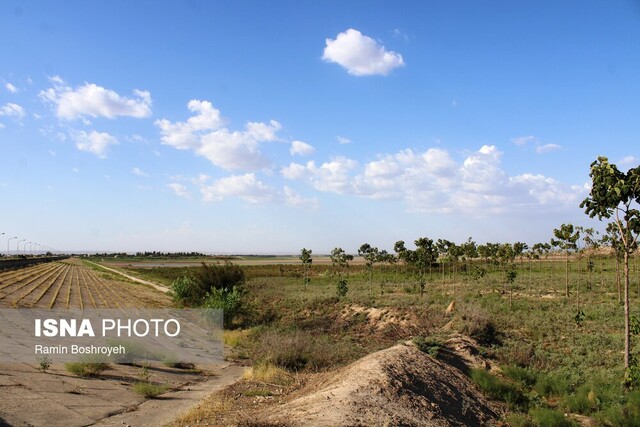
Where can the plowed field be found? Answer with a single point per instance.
(71, 284)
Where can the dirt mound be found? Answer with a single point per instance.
(399, 386)
(379, 319)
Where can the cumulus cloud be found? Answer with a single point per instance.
(204, 134)
(247, 187)
(361, 55)
(94, 142)
(433, 181)
(299, 148)
(12, 110)
(333, 176)
(11, 88)
(91, 100)
(342, 140)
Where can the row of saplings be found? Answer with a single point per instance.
(214, 286)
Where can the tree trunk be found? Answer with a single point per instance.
(566, 275)
(627, 332)
(618, 279)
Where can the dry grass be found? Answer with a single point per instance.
(206, 412)
(269, 374)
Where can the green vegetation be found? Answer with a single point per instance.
(551, 363)
(149, 390)
(216, 286)
(86, 368)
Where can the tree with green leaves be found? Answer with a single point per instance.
(567, 241)
(426, 254)
(442, 245)
(591, 245)
(616, 195)
(340, 261)
(370, 255)
(305, 257)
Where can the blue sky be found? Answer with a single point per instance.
(263, 127)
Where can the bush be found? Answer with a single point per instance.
(525, 376)
(624, 415)
(226, 300)
(219, 276)
(342, 288)
(429, 346)
(544, 417)
(149, 390)
(194, 289)
(186, 291)
(499, 389)
(552, 384)
(86, 369)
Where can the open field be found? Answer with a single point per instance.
(313, 351)
(530, 334)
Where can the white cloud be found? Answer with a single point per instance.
(300, 148)
(246, 187)
(2, 126)
(139, 172)
(331, 176)
(179, 190)
(205, 135)
(629, 161)
(432, 181)
(399, 34)
(342, 140)
(361, 55)
(295, 200)
(547, 148)
(11, 88)
(91, 100)
(12, 110)
(524, 140)
(94, 142)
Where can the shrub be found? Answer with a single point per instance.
(186, 291)
(624, 415)
(86, 369)
(44, 363)
(149, 390)
(429, 346)
(552, 384)
(219, 276)
(525, 376)
(226, 300)
(544, 417)
(500, 389)
(342, 288)
(194, 289)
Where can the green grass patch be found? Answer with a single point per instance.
(500, 389)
